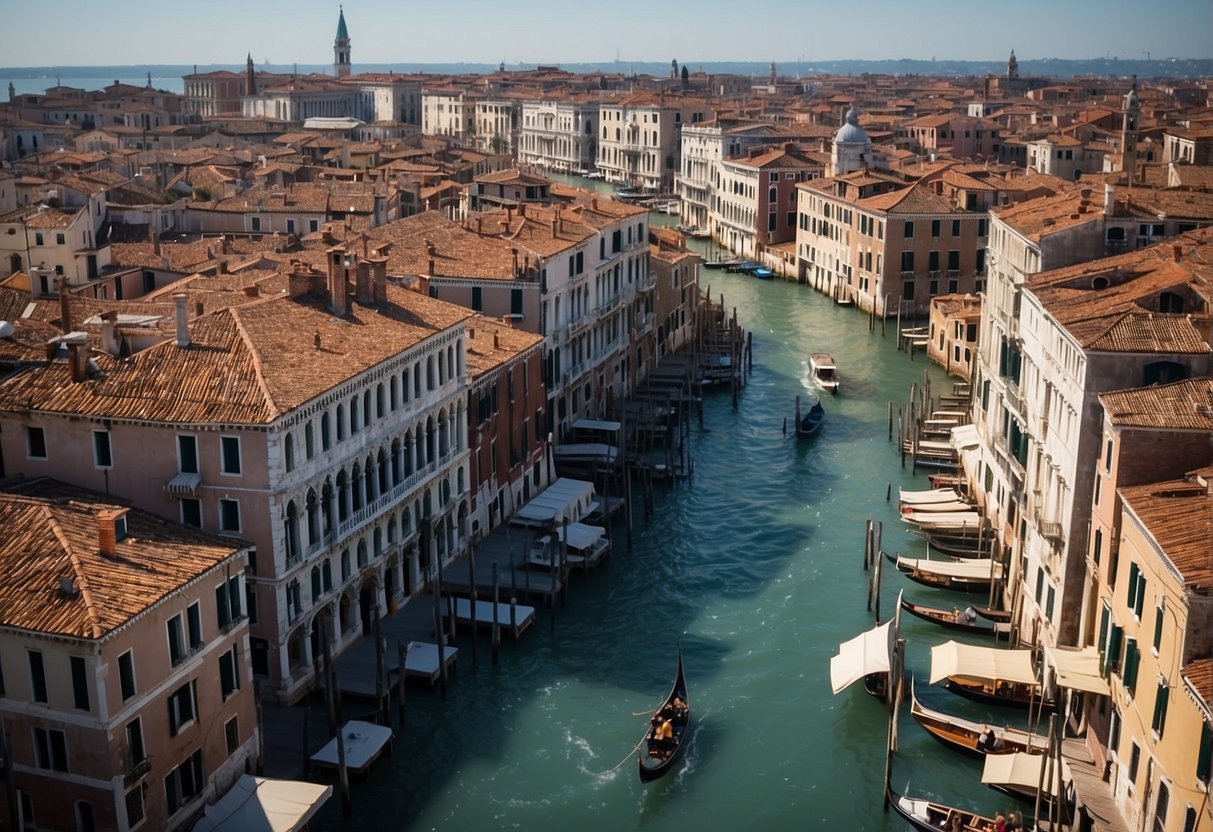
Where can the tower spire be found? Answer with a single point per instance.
(250, 77)
(341, 47)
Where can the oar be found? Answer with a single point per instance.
(630, 753)
(649, 711)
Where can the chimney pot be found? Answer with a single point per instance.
(1178, 251)
(496, 341)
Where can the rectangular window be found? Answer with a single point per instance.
(50, 749)
(934, 228)
(1134, 762)
(126, 675)
(1107, 459)
(229, 673)
(227, 601)
(933, 261)
(954, 260)
(187, 454)
(231, 732)
(35, 443)
(909, 229)
(134, 743)
(1204, 757)
(1132, 662)
(955, 228)
(176, 640)
(290, 226)
(191, 512)
(907, 261)
(313, 225)
(194, 617)
(134, 807)
(37, 676)
(256, 223)
(515, 301)
(102, 457)
(80, 683)
(1158, 616)
(1097, 549)
(60, 239)
(230, 462)
(477, 300)
(229, 516)
(181, 708)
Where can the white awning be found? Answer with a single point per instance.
(971, 569)
(581, 535)
(866, 653)
(1021, 771)
(259, 804)
(1077, 669)
(954, 506)
(184, 485)
(987, 663)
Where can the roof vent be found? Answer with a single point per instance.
(67, 588)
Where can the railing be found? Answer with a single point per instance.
(1052, 532)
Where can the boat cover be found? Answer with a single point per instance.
(1021, 771)
(931, 495)
(261, 804)
(866, 653)
(597, 424)
(969, 569)
(565, 497)
(1077, 669)
(986, 663)
(948, 507)
(965, 436)
(581, 536)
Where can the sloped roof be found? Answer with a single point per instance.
(1178, 515)
(1181, 405)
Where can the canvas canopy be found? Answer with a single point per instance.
(581, 536)
(988, 663)
(866, 653)
(259, 804)
(597, 424)
(972, 569)
(1077, 669)
(1021, 771)
(564, 498)
(930, 495)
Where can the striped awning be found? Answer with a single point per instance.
(184, 485)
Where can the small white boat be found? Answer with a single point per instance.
(825, 371)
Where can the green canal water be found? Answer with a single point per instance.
(754, 569)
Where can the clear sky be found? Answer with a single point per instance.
(88, 33)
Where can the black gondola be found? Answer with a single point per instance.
(930, 816)
(807, 424)
(951, 619)
(659, 755)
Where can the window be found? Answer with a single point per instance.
(229, 516)
(231, 732)
(477, 299)
(515, 301)
(1160, 708)
(954, 260)
(134, 806)
(50, 749)
(194, 618)
(230, 455)
(1137, 590)
(1158, 615)
(1161, 804)
(191, 512)
(934, 228)
(126, 675)
(80, 683)
(907, 261)
(181, 707)
(1132, 662)
(1204, 757)
(1107, 459)
(256, 223)
(102, 457)
(37, 676)
(176, 640)
(933, 261)
(60, 239)
(35, 443)
(227, 602)
(187, 455)
(134, 743)
(909, 229)
(184, 783)
(229, 673)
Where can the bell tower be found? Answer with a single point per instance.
(341, 48)
(1128, 132)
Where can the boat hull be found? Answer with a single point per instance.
(656, 760)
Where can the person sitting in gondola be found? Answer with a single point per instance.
(663, 738)
(678, 709)
(969, 615)
(985, 740)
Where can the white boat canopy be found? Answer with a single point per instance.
(931, 495)
(581, 535)
(259, 804)
(1021, 771)
(868, 652)
(564, 498)
(972, 569)
(987, 663)
(1077, 669)
(951, 519)
(597, 424)
(942, 507)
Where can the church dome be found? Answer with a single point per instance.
(851, 132)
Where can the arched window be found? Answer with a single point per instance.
(416, 379)
(313, 518)
(366, 409)
(380, 402)
(362, 558)
(406, 389)
(397, 462)
(340, 422)
(326, 573)
(354, 414)
(429, 372)
(309, 441)
(292, 531)
(377, 539)
(356, 484)
(368, 478)
(326, 505)
(326, 435)
(394, 392)
(315, 584)
(289, 452)
(384, 471)
(344, 501)
(345, 565)
(1163, 372)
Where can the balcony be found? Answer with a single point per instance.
(1052, 532)
(137, 771)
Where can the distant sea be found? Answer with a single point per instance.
(168, 77)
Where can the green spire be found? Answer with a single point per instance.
(342, 33)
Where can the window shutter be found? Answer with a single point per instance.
(1132, 660)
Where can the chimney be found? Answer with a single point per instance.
(65, 308)
(339, 263)
(251, 291)
(430, 267)
(222, 266)
(362, 284)
(379, 279)
(593, 203)
(183, 324)
(1178, 251)
(1109, 200)
(514, 252)
(109, 340)
(555, 222)
(496, 341)
(479, 224)
(522, 209)
(107, 532)
(77, 355)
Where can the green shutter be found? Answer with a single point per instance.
(1160, 709)
(1140, 601)
(1129, 599)
(1132, 660)
(1103, 642)
(1114, 645)
(1158, 628)
(1206, 753)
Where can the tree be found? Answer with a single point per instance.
(686, 77)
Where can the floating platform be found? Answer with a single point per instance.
(364, 742)
(421, 661)
(518, 620)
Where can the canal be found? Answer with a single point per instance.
(754, 570)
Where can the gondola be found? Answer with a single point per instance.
(997, 616)
(940, 577)
(956, 546)
(930, 816)
(807, 424)
(1009, 694)
(658, 756)
(951, 619)
(966, 735)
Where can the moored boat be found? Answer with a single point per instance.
(954, 619)
(962, 576)
(809, 423)
(971, 737)
(824, 371)
(931, 816)
(763, 273)
(989, 675)
(660, 753)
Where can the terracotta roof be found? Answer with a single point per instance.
(245, 365)
(1182, 405)
(49, 218)
(1200, 674)
(1179, 516)
(51, 535)
(1150, 332)
(491, 344)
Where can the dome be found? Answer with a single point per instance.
(851, 132)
